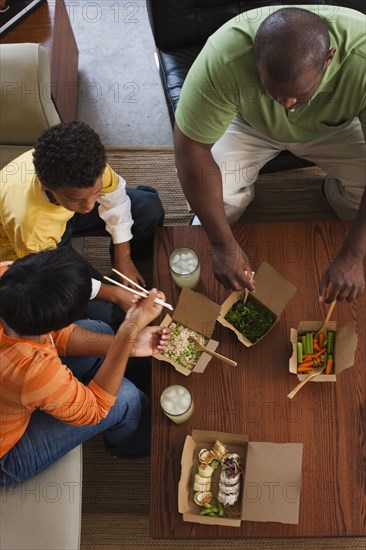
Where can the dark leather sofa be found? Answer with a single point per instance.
(180, 29)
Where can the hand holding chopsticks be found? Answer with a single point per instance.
(141, 292)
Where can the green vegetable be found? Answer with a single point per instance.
(330, 342)
(299, 352)
(309, 339)
(214, 464)
(207, 511)
(304, 341)
(252, 319)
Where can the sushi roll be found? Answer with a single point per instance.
(227, 500)
(219, 450)
(229, 489)
(227, 479)
(202, 497)
(205, 470)
(205, 456)
(201, 484)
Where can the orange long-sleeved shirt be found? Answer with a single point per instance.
(32, 377)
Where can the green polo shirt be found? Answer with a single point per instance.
(224, 81)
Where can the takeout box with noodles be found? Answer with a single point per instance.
(254, 319)
(342, 352)
(261, 497)
(195, 315)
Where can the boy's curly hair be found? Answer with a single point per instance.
(69, 155)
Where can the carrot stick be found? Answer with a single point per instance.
(304, 369)
(307, 364)
(328, 368)
(316, 346)
(315, 355)
(321, 339)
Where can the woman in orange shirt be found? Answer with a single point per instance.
(45, 410)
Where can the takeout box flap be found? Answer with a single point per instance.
(184, 504)
(272, 289)
(272, 482)
(345, 345)
(197, 312)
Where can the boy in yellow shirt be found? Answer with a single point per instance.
(65, 188)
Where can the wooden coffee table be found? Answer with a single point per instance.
(49, 25)
(328, 418)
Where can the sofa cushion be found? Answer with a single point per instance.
(44, 512)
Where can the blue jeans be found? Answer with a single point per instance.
(46, 439)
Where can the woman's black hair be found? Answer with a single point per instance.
(45, 291)
(69, 154)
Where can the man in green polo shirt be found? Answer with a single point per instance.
(276, 79)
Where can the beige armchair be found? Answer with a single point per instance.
(26, 106)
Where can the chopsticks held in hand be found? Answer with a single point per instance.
(246, 293)
(142, 291)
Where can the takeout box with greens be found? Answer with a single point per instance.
(195, 315)
(254, 319)
(258, 499)
(334, 349)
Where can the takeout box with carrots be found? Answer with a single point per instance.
(261, 498)
(272, 293)
(198, 313)
(336, 355)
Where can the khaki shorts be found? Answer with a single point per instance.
(242, 151)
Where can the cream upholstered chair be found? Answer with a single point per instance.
(26, 106)
(45, 511)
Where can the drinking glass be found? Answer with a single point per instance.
(185, 267)
(176, 402)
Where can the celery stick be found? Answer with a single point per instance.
(309, 336)
(304, 343)
(299, 352)
(330, 343)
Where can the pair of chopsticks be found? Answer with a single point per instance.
(143, 292)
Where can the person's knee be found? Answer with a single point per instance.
(99, 327)
(131, 404)
(146, 209)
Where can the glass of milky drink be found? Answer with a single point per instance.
(185, 267)
(177, 404)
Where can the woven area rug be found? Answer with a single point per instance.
(116, 492)
(281, 196)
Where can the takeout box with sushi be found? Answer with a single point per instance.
(337, 349)
(269, 484)
(195, 315)
(252, 320)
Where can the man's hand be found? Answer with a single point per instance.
(232, 267)
(122, 261)
(129, 269)
(151, 340)
(343, 280)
